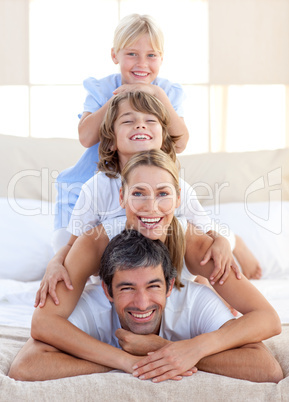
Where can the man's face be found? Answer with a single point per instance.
(139, 297)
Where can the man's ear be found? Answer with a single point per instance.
(171, 287)
(121, 198)
(113, 56)
(104, 286)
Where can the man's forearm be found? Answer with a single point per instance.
(250, 362)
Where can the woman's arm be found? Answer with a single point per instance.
(54, 273)
(240, 294)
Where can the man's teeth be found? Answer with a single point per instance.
(145, 315)
(150, 221)
(141, 137)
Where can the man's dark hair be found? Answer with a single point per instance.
(131, 250)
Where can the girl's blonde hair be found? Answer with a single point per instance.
(175, 240)
(134, 26)
(141, 102)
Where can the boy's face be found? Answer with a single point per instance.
(138, 63)
(135, 132)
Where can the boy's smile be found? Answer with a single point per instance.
(135, 132)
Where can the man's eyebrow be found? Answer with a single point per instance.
(121, 284)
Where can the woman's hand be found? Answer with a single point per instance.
(55, 272)
(220, 252)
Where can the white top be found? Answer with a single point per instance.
(99, 200)
(192, 311)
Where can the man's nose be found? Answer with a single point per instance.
(141, 300)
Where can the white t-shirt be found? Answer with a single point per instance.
(99, 200)
(192, 311)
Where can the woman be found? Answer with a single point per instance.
(150, 193)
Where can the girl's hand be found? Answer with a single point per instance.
(171, 362)
(149, 88)
(220, 252)
(55, 272)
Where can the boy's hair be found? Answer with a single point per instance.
(131, 250)
(141, 102)
(175, 239)
(134, 26)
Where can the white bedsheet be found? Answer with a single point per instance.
(17, 299)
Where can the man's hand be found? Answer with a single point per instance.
(139, 345)
(172, 361)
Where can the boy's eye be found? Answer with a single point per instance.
(132, 54)
(151, 121)
(151, 55)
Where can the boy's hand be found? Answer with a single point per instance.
(221, 253)
(55, 272)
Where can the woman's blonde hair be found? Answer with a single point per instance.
(134, 26)
(175, 239)
(141, 102)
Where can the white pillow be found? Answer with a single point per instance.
(26, 230)
(264, 226)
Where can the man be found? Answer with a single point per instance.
(164, 333)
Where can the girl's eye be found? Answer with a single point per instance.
(152, 121)
(151, 55)
(127, 122)
(132, 54)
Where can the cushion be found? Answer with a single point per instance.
(27, 227)
(238, 176)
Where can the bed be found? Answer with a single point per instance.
(248, 192)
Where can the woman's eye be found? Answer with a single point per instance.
(163, 194)
(137, 194)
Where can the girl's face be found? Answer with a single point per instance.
(150, 199)
(138, 63)
(135, 132)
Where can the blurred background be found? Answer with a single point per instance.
(231, 56)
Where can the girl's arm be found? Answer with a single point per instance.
(54, 273)
(89, 124)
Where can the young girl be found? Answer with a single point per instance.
(51, 326)
(135, 121)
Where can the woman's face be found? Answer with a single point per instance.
(150, 199)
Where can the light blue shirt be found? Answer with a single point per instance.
(70, 181)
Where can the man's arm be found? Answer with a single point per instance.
(50, 324)
(251, 362)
